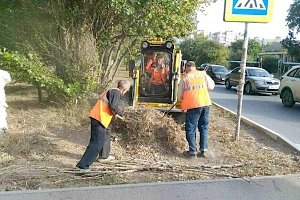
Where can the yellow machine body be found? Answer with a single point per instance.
(155, 80)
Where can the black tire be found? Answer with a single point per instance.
(287, 98)
(227, 84)
(248, 88)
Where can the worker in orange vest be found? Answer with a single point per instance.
(106, 107)
(151, 61)
(159, 73)
(194, 98)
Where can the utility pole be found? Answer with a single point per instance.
(240, 90)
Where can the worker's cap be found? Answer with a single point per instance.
(190, 64)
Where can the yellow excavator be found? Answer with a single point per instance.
(156, 78)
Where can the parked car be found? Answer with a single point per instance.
(216, 72)
(289, 89)
(202, 67)
(257, 80)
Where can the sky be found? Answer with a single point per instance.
(211, 20)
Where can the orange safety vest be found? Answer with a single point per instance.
(195, 93)
(157, 77)
(101, 111)
(149, 64)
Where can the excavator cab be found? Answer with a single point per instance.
(155, 80)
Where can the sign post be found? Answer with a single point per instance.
(258, 11)
(240, 89)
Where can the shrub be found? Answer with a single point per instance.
(31, 69)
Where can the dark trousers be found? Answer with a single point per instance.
(99, 144)
(105, 151)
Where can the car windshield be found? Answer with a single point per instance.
(258, 73)
(219, 69)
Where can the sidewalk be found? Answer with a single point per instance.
(264, 188)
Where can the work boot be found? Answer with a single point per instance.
(202, 154)
(187, 154)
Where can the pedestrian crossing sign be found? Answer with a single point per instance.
(259, 11)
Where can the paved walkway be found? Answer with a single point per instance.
(263, 188)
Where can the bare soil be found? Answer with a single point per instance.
(44, 143)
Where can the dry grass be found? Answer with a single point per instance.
(45, 142)
(147, 128)
(20, 143)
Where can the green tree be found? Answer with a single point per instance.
(113, 27)
(236, 50)
(30, 69)
(293, 17)
(87, 40)
(293, 21)
(270, 63)
(292, 46)
(19, 20)
(202, 50)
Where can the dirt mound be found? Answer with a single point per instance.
(145, 129)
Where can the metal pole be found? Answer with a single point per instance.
(240, 90)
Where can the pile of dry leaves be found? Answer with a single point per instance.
(145, 128)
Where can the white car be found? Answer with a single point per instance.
(289, 89)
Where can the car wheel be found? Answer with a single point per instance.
(227, 84)
(287, 98)
(248, 88)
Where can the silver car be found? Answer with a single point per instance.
(289, 89)
(257, 80)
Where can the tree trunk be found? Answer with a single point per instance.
(40, 93)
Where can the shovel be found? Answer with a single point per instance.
(167, 112)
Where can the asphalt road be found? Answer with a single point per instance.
(264, 109)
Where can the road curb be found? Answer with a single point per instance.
(260, 188)
(274, 135)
